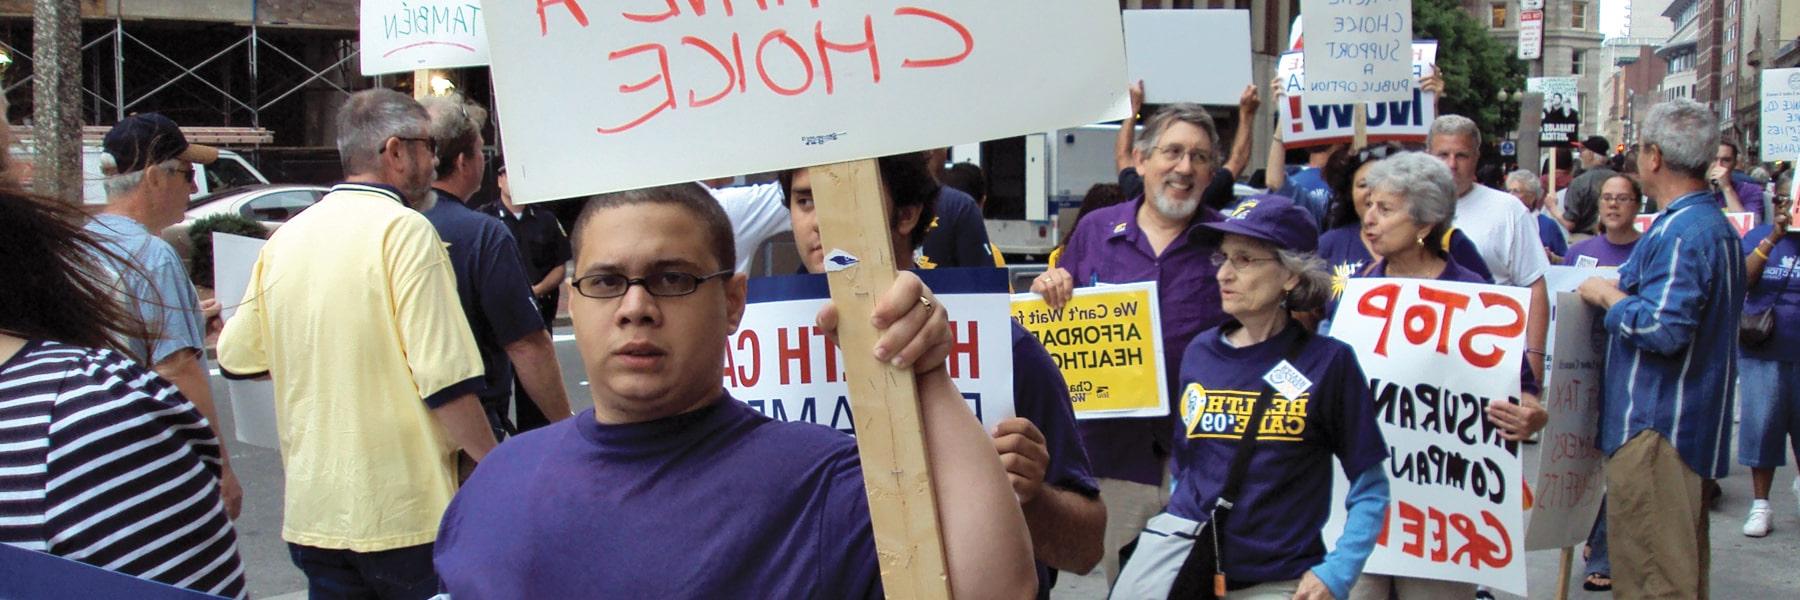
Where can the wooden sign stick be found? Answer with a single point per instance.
(889, 427)
(1568, 564)
(1361, 121)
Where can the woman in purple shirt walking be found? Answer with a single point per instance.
(1620, 201)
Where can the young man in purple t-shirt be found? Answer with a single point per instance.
(669, 488)
(1040, 446)
(1147, 239)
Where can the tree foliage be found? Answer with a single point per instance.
(1474, 65)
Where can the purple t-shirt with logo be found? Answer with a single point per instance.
(1779, 287)
(1285, 497)
(1606, 253)
(1108, 247)
(721, 502)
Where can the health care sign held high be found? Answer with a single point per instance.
(605, 96)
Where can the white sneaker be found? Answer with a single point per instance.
(1758, 523)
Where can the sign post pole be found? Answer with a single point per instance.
(421, 84)
(1360, 137)
(889, 433)
(1562, 582)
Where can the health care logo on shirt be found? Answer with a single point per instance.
(1224, 415)
(1340, 277)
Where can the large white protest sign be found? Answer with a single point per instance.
(1436, 354)
(1569, 483)
(1161, 45)
(783, 366)
(1561, 125)
(407, 35)
(253, 400)
(1307, 123)
(599, 97)
(1358, 50)
(1780, 114)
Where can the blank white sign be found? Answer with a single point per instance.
(1189, 55)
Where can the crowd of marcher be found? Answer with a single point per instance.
(426, 436)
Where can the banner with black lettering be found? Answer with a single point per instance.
(1107, 341)
(1436, 354)
(782, 365)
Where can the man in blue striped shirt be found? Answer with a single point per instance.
(1671, 363)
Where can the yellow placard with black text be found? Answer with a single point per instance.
(1107, 341)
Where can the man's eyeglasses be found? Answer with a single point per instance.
(1239, 262)
(1175, 152)
(187, 173)
(430, 144)
(665, 284)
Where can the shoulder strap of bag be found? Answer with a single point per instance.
(1240, 461)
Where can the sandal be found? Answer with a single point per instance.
(1597, 582)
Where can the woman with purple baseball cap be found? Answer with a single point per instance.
(1254, 507)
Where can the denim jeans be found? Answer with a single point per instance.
(398, 574)
(1598, 562)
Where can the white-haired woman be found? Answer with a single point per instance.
(1413, 200)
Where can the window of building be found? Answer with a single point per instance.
(1575, 61)
(1578, 14)
(1498, 20)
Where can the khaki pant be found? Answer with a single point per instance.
(1656, 522)
(1129, 505)
(1383, 587)
(1273, 590)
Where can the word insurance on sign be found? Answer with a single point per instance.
(407, 35)
(590, 89)
(1358, 50)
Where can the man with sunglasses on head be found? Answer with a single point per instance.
(671, 488)
(490, 276)
(152, 177)
(352, 310)
(1147, 239)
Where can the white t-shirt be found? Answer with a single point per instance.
(1505, 233)
(756, 214)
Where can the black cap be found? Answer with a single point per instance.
(1597, 145)
(1273, 219)
(142, 140)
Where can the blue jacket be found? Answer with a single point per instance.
(1671, 361)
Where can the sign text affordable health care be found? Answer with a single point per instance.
(606, 96)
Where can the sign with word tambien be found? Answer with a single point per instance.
(1570, 482)
(408, 35)
(1160, 46)
(1308, 123)
(1780, 114)
(1358, 51)
(1107, 340)
(1437, 354)
(782, 365)
(606, 96)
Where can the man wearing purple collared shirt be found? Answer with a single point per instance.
(1147, 239)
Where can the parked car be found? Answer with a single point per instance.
(269, 204)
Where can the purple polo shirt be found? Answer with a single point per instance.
(1108, 247)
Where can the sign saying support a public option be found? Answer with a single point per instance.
(1308, 123)
(408, 35)
(605, 96)
(1358, 51)
(1436, 355)
(1570, 482)
(1107, 341)
(781, 364)
(1780, 114)
(1562, 111)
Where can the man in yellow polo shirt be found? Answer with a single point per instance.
(352, 310)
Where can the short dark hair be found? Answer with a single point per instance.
(1735, 153)
(1340, 176)
(908, 183)
(968, 178)
(690, 197)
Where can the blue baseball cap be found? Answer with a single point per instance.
(1270, 218)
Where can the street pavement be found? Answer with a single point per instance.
(1741, 567)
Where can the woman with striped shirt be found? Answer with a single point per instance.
(101, 461)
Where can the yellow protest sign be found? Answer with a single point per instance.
(1107, 341)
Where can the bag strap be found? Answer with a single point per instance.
(1201, 574)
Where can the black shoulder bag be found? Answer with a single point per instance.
(1202, 575)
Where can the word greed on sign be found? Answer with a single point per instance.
(1308, 123)
(1356, 50)
(1437, 354)
(598, 97)
(406, 35)
(784, 366)
(1107, 341)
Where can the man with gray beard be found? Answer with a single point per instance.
(1147, 239)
